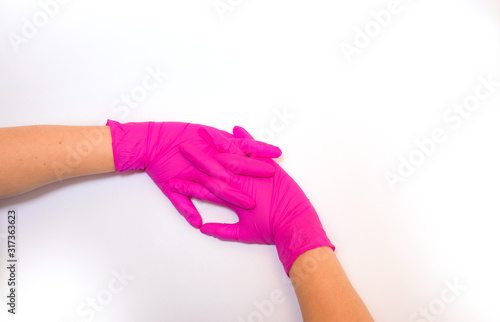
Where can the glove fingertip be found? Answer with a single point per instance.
(228, 232)
(267, 171)
(241, 133)
(191, 214)
(250, 204)
(205, 229)
(237, 198)
(276, 152)
(194, 220)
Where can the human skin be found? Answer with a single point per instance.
(323, 290)
(33, 156)
(284, 217)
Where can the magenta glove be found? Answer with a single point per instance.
(283, 214)
(154, 147)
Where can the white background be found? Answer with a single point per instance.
(351, 123)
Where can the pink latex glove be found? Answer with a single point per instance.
(154, 147)
(283, 215)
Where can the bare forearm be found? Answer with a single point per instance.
(323, 289)
(33, 156)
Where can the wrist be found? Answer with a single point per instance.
(303, 233)
(290, 249)
(130, 144)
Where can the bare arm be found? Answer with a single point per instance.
(323, 289)
(33, 156)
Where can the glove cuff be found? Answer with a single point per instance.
(304, 234)
(130, 144)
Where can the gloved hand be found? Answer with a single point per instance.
(283, 215)
(154, 147)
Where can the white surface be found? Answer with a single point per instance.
(351, 123)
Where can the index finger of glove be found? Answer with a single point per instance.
(219, 142)
(258, 148)
(241, 133)
(250, 146)
(245, 166)
(204, 162)
(185, 207)
(228, 232)
(195, 190)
